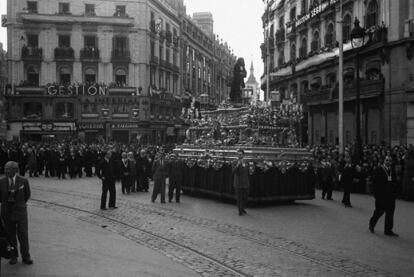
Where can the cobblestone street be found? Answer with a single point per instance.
(308, 238)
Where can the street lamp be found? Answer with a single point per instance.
(357, 42)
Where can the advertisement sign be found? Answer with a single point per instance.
(90, 126)
(125, 126)
(77, 90)
(49, 126)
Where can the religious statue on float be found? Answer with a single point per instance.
(239, 73)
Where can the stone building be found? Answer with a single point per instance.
(108, 70)
(304, 64)
(252, 90)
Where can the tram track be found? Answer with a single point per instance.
(345, 266)
(226, 270)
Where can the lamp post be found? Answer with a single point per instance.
(357, 42)
(267, 36)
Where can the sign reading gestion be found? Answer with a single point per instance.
(77, 90)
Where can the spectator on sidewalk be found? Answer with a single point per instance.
(241, 181)
(106, 172)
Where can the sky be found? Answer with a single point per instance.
(238, 22)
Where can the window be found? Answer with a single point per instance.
(90, 42)
(90, 9)
(64, 8)
(315, 41)
(329, 38)
(167, 58)
(281, 59)
(161, 56)
(372, 14)
(65, 110)
(349, 76)
(331, 80)
(120, 44)
(373, 71)
(121, 77)
(293, 14)
(304, 86)
(64, 41)
(304, 5)
(347, 27)
(90, 76)
(304, 48)
(293, 52)
(282, 23)
(316, 83)
(32, 110)
(65, 76)
(33, 41)
(33, 75)
(120, 11)
(152, 49)
(32, 6)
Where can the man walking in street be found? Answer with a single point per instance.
(385, 192)
(241, 181)
(106, 172)
(14, 193)
(176, 178)
(160, 175)
(124, 167)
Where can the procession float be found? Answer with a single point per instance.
(279, 168)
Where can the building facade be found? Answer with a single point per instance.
(302, 40)
(97, 70)
(252, 90)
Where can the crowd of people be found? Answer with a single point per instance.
(353, 170)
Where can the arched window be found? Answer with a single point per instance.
(373, 71)
(304, 85)
(282, 23)
(65, 75)
(293, 52)
(121, 77)
(304, 6)
(293, 14)
(90, 76)
(315, 41)
(372, 14)
(303, 48)
(347, 27)
(33, 75)
(330, 36)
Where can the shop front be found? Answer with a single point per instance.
(128, 132)
(48, 131)
(91, 132)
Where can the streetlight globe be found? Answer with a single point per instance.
(357, 35)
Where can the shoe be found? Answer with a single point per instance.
(371, 228)
(162, 202)
(29, 261)
(177, 201)
(104, 209)
(241, 213)
(391, 234)
(244, 211)
(152, 201)
(329, 199)
(169, 200)
(113, 207)
(13, 261)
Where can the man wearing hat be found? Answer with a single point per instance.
(14, 193)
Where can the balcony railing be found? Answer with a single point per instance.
(121, 55)
(368, 88)
(89, 54)
(64, 53)
(32, 53)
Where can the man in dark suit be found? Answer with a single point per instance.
(385, 192)
(143, 168)
(160, 175)
(106, 172)
(14, 193)
(124, 167)
(241, 181)
(176, 178)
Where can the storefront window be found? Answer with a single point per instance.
(65, 110)
(32, 110)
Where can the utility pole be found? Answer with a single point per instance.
(341, 82)
(268, 36)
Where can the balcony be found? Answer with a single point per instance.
(121, 55)
(76, 19)
(64, 54)
(368, 89)
(89, 54)
(32, 53)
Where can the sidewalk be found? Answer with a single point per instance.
(63, 246)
